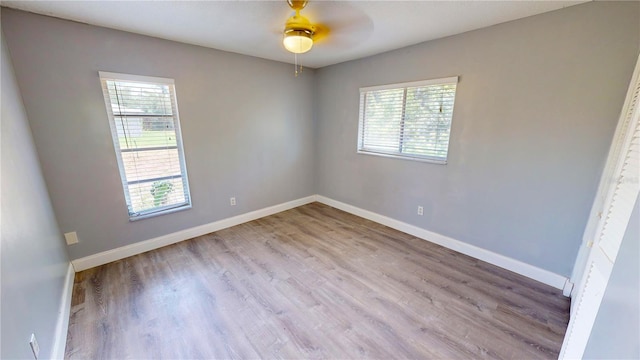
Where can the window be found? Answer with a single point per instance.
(143, 115)
(409, 120)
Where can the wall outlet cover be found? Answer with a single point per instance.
(71, 238)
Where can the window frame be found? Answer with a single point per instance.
(160, 210)
(453, 80)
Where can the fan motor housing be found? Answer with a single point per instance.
(299, 23)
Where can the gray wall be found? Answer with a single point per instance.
(247, 126)
(536, 107)
(33, 261)
(537, 104)
(616, 332)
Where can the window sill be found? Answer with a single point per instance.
(158, 213)
(403, 157)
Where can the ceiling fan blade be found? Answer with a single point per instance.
(338, 24)
(321, 32)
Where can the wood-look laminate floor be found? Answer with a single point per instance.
(312, 282)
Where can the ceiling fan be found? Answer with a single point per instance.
(299, 32)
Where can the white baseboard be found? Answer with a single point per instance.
(108, 256)
(62, 324)
(519, 267)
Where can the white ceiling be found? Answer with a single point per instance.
(358, 28)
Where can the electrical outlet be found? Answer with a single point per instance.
(34, 346)
(71, 238)
(232, 201)
(420, 211)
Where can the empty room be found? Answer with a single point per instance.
(320, 180)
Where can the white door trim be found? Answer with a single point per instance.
(611, 211)
(607, 178)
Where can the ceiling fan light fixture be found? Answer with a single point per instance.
(298, 41)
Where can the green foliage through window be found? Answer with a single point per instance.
(160, 191)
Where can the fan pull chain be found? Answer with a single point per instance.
(296, 65)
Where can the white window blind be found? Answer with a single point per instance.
(409, 120)
(143, 115)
